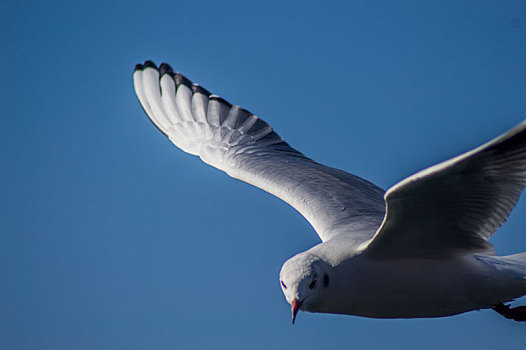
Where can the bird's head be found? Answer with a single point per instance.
(304, 280)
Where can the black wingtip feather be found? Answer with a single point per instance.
(150, 64)
(138, 66)
(199, 89)
(181, 79)
(220, 99)
(165, 68)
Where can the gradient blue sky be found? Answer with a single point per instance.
(111, 238)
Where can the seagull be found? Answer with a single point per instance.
(418, 250)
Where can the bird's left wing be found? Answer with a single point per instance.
(455, 206)
(234, 140)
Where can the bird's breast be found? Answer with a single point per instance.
(407, 288)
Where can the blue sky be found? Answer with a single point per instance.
(111, 238)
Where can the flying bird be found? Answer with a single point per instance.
(419, 249)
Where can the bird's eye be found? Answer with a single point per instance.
(312, 284)
(325, 280)
(283, 284)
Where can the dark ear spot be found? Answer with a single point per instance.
(283, 284)
(326, 280)
(312, 284)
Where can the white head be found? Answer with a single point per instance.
(304, 280)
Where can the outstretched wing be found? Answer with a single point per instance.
(234, 140)
(455, 206)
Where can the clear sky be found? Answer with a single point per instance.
(111, 238)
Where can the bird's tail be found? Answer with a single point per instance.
(515, 266)
(512, 265)
(516, 263)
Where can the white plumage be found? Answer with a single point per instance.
(427, 255)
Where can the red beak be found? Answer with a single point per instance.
(295, 306)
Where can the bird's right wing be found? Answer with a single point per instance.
(455, 206)
(245, 147)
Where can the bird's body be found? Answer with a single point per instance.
(419, 249)
(417, 287)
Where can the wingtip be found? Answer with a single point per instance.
(219, 99)
(199, 89)
(181, 79)
(165, 68)
(149, 64)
